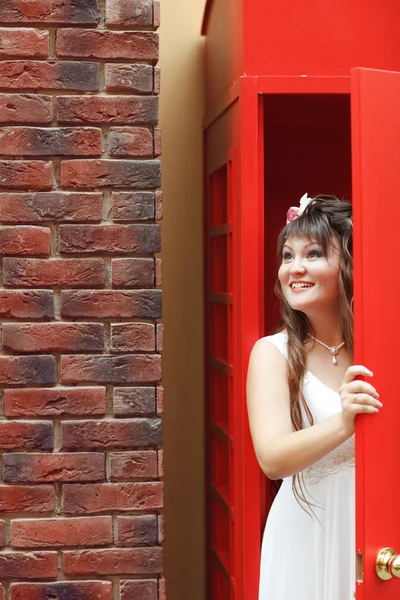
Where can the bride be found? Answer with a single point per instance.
(303, 394)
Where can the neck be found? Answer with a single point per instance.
(327, 327)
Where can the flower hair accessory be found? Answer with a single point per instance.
(296, 211)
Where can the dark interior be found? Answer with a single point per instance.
(307, 142)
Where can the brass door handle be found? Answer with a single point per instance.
(387, 564)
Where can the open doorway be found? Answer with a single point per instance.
(307, 148)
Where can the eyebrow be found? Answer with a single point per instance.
(306, 246)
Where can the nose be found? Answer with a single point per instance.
(297, 266)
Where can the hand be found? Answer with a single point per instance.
(357, 396)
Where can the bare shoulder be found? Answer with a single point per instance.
(267, 392)
(266, 352)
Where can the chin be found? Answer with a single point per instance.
(302, 306)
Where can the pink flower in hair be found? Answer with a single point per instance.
(292, 214)
(296, 211)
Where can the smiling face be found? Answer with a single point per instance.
(309, 280)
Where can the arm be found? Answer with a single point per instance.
(280, 451)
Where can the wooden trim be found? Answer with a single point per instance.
(221, 104)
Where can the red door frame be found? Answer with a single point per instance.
(251, 209)
(251, 222)
(248, 289)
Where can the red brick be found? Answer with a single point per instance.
(161, 529)
(53, 337)
(20, 174)
(26, 304)
(158, 272)
(134, 402)
(31, 272)
(133, 206)
(157, 142)
(160, 337)
(32, 565)
(133, 337)
(160, 458)
(129, 13)
(157, 80)
(143, 589)
(135, 174)
(159, 206)
(129, 78)
(31, 402)
(133, 272)
(24, 42)
(27, 498)
(50, 206)
(39, 75)
(113, 561)
(63, 590)
(2, 535)
(103, 497)
(42, 533)
(42, 468)
(107, 434)
(137, 531)
(34, 141)
(29, 435)
(27, 370)
(160, 400)
(90, 43)
(162, 589)
(112, 239)
(134, 465)
(156, 13)
(134, 142)
(107, 110)
(26, 109)
(25, 241)
(48, 11)
(138, 368)
(109, 304)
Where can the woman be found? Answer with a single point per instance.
(303, 396)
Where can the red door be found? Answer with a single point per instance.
(223, 438)
(375, 98)
(235, 308)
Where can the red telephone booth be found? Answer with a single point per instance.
(300, 97)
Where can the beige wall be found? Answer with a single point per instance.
(181, 62)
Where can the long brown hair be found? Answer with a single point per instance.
(326, 220)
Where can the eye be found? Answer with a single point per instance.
(315, 254)
(286, 256)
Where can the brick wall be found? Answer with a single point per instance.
(80, 428)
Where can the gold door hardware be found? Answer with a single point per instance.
(387, 564)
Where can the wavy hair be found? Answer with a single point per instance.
(327, 221)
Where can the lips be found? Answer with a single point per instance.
(301, 285)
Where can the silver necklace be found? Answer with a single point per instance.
(332, 349)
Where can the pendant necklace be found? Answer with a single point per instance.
(332, 349)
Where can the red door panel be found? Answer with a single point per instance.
(222, 440)
(376, 190)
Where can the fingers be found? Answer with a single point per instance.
(366, 399)
(356, 371)
(357, 409)
(357, 395)
(358, 386)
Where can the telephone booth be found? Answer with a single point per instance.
(300, 97)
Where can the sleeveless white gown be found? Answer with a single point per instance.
(304, 557)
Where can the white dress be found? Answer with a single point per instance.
(304, 557)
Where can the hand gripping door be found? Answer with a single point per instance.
(376, 197)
